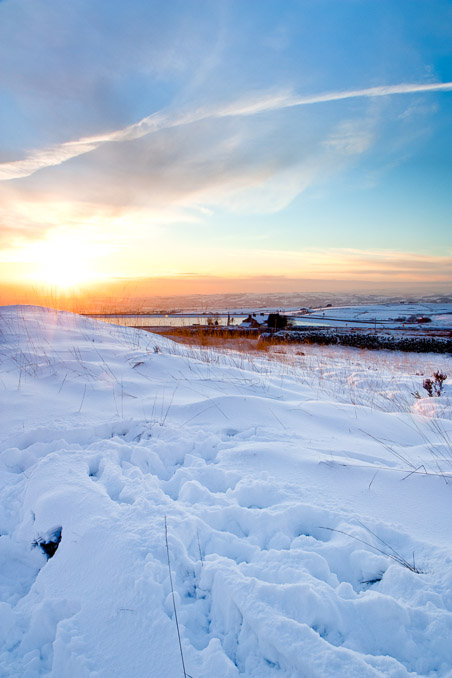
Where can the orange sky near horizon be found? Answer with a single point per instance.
(68, 259)
(120, 294)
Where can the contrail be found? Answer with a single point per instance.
(56, 155)
(252, 107)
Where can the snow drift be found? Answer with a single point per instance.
(298, 545)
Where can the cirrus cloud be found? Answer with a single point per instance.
(58, 154)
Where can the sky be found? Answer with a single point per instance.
(229, 141)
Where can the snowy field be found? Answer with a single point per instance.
(392, 315)
(307, 496)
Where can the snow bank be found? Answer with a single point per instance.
(283, 487)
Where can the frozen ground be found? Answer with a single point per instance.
(392, 314)
(283, 479)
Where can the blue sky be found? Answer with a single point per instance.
(307, 138)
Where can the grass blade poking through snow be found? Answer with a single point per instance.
(186, 675)
(394, 555)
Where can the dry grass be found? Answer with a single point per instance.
(217, 340)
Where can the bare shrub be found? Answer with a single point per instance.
(434, 387)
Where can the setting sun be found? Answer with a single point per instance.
(62, 262)
(62, 274)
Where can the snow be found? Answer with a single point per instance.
(389, 314)
(283, 479)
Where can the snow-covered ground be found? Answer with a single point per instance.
(390, 314)
(284, 480)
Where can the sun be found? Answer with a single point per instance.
(64, 274)
(63, 263)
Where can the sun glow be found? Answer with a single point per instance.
(62, 274)
(63, 262)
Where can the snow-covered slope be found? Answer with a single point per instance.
(282, 480)
(391, 314)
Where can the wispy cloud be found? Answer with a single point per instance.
(58, 154)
